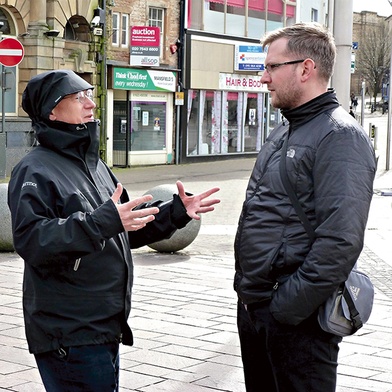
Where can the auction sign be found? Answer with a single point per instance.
(145, 46)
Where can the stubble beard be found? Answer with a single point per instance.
(287, 98)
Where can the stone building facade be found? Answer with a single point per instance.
(55, 35)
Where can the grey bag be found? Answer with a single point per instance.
(349, 307)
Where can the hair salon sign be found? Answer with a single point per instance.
(235, 82)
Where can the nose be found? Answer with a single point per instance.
(89, 103)
(266, 78)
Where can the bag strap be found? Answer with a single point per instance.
(354, 315)
(290, 192)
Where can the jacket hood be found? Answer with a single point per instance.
(46, 90)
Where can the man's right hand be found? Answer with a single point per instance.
(131, 219)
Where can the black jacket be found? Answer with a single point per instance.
(78, 266)
(331, 165)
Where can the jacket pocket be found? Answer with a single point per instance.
(277, 260)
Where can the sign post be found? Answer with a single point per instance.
(11, 54)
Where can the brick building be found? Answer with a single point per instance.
(142, 73)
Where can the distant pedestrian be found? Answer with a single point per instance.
(74, 225)
(351, 111)
(352, 97)
(281, 278)
(355, 103)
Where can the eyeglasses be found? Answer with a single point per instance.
(82, 96)
(270, 67)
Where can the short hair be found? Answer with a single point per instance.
(308, 40)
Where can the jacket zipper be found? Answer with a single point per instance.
(77, 263)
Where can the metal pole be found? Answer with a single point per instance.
(388, 153)
(3, 151)
(3, 87)
(363, 104)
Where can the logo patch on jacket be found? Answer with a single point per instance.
(29, 183)
(291, 153)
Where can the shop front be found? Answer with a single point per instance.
(233, 120)
(140, 115)
(227, 109)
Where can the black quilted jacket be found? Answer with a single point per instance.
(331, 165)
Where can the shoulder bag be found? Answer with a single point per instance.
(350, 305)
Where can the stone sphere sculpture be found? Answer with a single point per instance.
(6, 241)
(182, 237)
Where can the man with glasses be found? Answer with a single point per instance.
(74, 225)
(281, 277)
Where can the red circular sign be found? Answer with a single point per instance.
(11, 52)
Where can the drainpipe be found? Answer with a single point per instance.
(103, 82)
(180, 87)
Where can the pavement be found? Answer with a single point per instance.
(184, 308)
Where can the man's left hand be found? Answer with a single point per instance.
(197, 204)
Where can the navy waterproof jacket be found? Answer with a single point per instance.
(331, 166)
(78, 266)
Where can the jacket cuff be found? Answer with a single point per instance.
(107, 219)
(180, 218)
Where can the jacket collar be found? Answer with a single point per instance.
(78, 141)
(311, 109)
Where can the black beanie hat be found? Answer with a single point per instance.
(44, 91)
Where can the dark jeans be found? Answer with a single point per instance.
(92, 368)
(285, 358)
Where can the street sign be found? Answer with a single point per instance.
(11, 52)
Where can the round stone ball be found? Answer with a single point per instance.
(6, 241)
(182, 237)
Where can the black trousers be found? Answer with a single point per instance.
(80, 369)
(285, 358)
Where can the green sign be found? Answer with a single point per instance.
(141, 79)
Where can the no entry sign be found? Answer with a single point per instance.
(11, 52)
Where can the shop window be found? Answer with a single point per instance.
(147, 129)
(222, 122)
(148, 126)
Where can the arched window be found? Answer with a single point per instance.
(77, 29)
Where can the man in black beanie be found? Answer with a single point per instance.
(74, 225)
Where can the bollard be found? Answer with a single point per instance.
(6, 241)
(182, 237)
(375, 137)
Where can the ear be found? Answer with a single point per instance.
(308, 68)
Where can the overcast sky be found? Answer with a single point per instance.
(382, 7)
